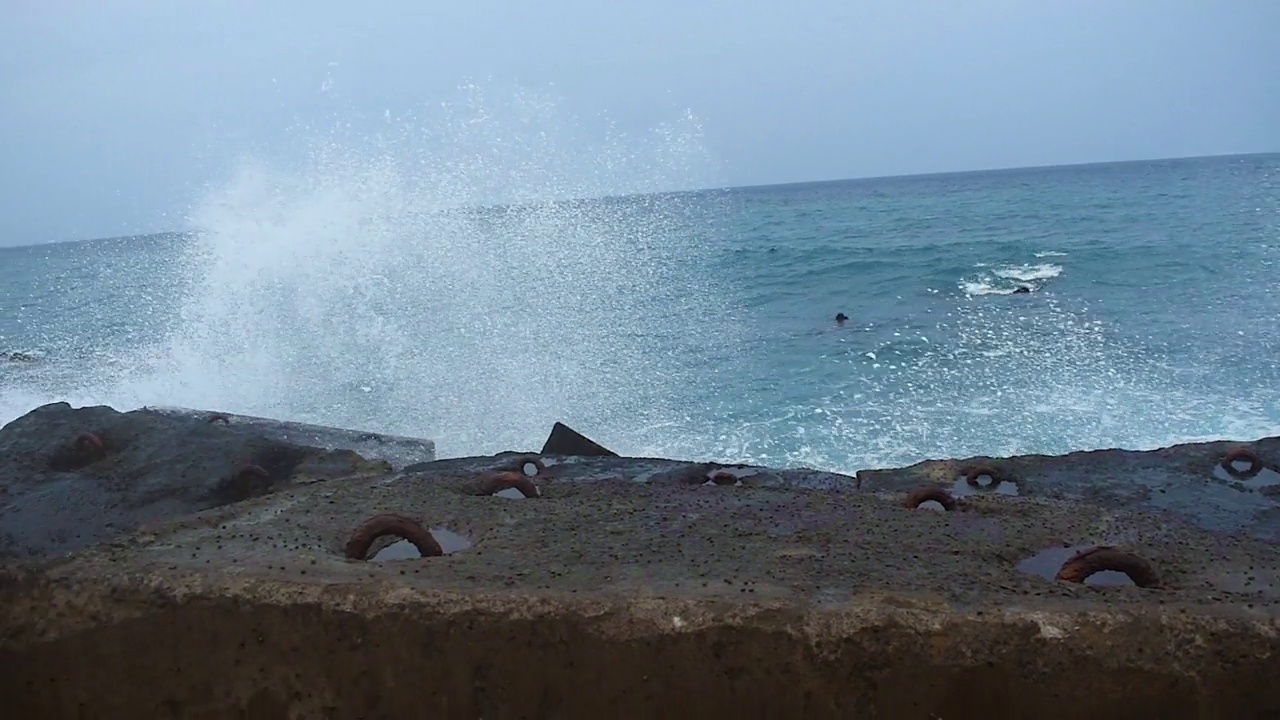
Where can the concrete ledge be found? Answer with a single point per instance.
(260, 649)
(634, 587)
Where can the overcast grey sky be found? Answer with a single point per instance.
(113, 113)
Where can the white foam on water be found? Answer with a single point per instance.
(977, 287)
(1000, 379)
(1028, 273)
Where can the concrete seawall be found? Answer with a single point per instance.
(629, 587)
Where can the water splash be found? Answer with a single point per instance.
(471, 278)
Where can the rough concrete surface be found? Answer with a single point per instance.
(634, 587)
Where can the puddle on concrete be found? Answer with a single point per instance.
(511, 493)
(450, 542)
(1264, 479)
(1048, 562)
(931, 505)
(961, 486)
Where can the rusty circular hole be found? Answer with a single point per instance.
(976, 471)
(250, 470)
(507, 479)
(399, 526)
(90, 445)
(1097, 559)
(923, 495)
(1242, 454)
(724, 478)
(521, 462)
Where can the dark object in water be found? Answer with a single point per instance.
(17, 356)
(564, 440)
(841, 317)
(1021, 290)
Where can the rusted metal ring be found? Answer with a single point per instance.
(251, 470)
(1246, 454)
(976, 471)
(518, 464)
(724, 478)
(922, 495)
(90, 445)
(504, 480)
(1104, 557)
(391, 524)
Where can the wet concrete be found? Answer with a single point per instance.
(636, 587)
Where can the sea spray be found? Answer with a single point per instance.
(472, 278)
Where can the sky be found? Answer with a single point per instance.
(114, 116)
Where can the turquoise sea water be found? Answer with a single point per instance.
(692, 324)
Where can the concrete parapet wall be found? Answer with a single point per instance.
(605, 586)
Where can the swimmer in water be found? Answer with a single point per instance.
(840, 318)
(1021, 290)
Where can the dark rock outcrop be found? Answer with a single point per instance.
(74, 477)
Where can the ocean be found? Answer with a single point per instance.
(694, 325)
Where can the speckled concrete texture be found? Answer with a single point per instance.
(635, 587)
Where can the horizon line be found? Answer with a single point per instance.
(980, 171)
(762, 186)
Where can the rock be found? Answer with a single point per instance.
(396, 450)
(564, 440)
(631, 588)
(71, 478)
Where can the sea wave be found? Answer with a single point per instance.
(979, 287)
(1029, 273)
